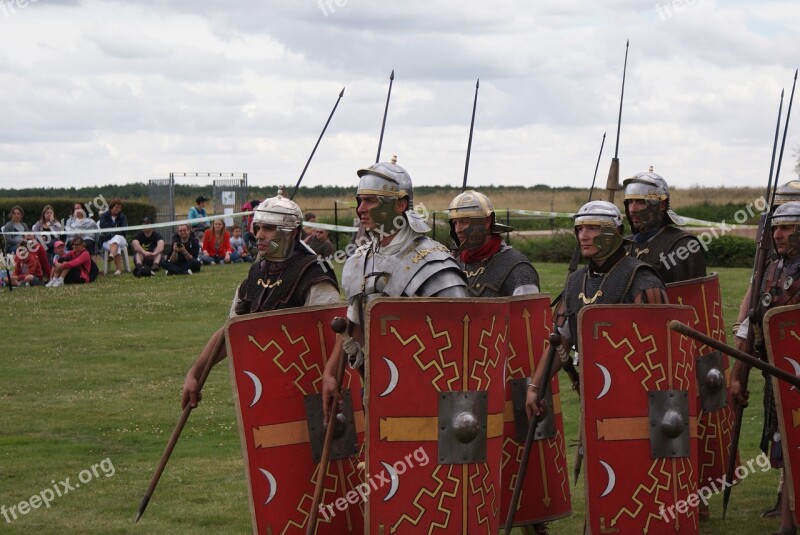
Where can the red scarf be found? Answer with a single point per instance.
(487, 250)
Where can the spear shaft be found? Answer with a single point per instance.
(612, 184)
(294, 191)
(385, 112)
(471, 129)
(755, 287)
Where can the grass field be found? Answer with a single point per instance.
(95, 373)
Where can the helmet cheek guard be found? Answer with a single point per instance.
(385, 215)
(608, 241)
(475, 233)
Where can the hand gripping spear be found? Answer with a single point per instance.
(218, 345)
(763, 240)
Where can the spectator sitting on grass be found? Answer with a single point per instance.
(58, 252)
(15, 225)
(74, 267)
(240, 253)
(38, 250)
(48, 223)
(320, 242)
(216, 244)
(147, 248)
(114, 242)
(27, 270)
(183, 260)
(78, 221)
(308, 232)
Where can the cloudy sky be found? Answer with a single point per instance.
(112, 92)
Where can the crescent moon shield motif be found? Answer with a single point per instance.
(612, 479)
(273, 485)
(393, 477)
(257, 385)
(795, 366)
(606, 380)
(394, 376)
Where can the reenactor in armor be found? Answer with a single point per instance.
(493, 269)
(399, 260)
(675, 254)
(611, 277)
(286, 274)
(790, 191)
(780, 286)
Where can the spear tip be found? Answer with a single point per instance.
(142, 507)
(391, 76)
(342, 93)
(628, 42)
(478, 83)
(795, 74)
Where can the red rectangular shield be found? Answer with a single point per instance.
(545, 492)
(782, 342)
(715, 427)
(634, 484)
(276, 360)
(422, 355)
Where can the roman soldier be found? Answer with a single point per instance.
(493, 269)
(656, 240)
(285, 274)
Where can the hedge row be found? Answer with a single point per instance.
(727, 251)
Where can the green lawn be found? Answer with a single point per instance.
(94, 373)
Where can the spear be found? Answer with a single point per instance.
(176, 433)
(316, 145)
(612, 184)
(471, 129)
(385, 112)
(755, 286)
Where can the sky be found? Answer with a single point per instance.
(94, 92)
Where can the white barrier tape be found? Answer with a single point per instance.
(190, 222)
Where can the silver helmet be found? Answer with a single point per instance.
(478, 208)
(390, 183)
(653, 189)
(788, 213)
(287, 217)
(787, 192)
(608, 217)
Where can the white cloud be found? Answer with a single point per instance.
(96, 92)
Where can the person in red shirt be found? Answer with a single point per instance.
(27, 270)
(40, 252)
(216, 244)
(74, 267)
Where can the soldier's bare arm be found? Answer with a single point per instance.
(191, 391)
(533, 404)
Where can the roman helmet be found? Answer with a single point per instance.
(478, 208)
(789, 214)
(287, 217)
(390, 183)
(652, 188)
(787, 192)
(609, 218)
